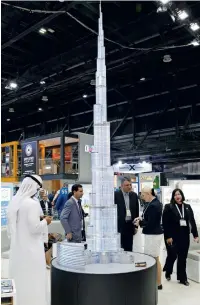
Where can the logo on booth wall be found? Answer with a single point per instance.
(28, 150)
(89, 148)
(132, 167)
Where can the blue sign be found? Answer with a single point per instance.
(6, 196)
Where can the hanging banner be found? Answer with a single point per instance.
(29, 158)
(132, 168)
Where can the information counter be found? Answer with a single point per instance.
(107, 284)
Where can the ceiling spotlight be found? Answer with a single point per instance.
(182, 15)
(11, 110)
(195, 43)
(84, 95)
(167, 58)
(51, 31)
(161, 9)
(8, 120)
(164, 1)
(11, 85)
(194, 26)
(45, 98)
(42, 31)
(142, 79)
(42, 82)
(40, 109)
(92, 82)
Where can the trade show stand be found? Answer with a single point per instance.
(107, 284)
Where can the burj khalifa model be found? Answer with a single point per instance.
(102, 233)
(102, 238)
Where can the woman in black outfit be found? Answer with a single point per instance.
(152, 230)
(178, 217)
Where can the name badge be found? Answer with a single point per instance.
(128, 213)
(183, 223)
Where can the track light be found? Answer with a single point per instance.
(142, 79)
(84, 95)
(161, 9)
(40, 109)
(182, 15)
(11, 86)
(42, 31)
(194, 26)
(45, 98)
(42, 82)
(8, 120)
(167, 58)
(195, 43)
(164, 1)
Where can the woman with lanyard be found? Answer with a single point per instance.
(178, 218)
(152, 230)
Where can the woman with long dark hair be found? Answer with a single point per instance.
(178, 222)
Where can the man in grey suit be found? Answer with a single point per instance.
(72, 217)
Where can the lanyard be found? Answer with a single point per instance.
(145, 210)
(183, 214)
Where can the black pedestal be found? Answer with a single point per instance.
(78, 288)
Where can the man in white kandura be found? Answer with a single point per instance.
(26, 230)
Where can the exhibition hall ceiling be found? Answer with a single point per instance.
(49, 54)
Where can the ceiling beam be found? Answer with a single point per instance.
(35, 26)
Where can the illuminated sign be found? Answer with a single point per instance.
(132, 168)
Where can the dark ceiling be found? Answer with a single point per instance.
(155, 119)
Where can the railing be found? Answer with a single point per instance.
(50, 166)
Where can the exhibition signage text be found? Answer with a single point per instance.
(29, 158)
(132, 168)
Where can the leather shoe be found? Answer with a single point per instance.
(168, 276)
(186, 283)
(160, 287)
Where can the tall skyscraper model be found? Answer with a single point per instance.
(102, 233)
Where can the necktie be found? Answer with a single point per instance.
(79, 205)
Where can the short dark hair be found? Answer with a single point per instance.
(173, 194)
(125, 179)
(70, 195)
(75, 187)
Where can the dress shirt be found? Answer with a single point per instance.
(127, 204)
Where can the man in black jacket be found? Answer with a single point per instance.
(127, 211)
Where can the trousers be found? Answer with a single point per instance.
(127, 236)
(179, 251)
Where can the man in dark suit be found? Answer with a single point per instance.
(72, 217)
(127, 211)
(46, 205)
